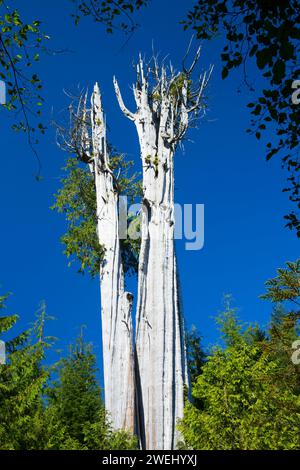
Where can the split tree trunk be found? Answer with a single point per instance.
(147, 387)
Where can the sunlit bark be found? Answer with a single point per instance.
(164, 105)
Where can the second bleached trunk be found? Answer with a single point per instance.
(116, 303)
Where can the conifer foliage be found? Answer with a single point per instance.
(39, 412)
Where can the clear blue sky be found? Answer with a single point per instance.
(223, 168)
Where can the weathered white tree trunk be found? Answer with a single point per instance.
(144, 387)
(161, 120)
(116, 303)
(161, 363)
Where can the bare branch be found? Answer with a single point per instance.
(187, 53)
(189, 71)
(203, 85)
(125, 111)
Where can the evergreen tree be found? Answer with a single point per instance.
(244, 405)
(76, 395)
(284, 292)
(22, 381)
(195, 353)
(39, 414)
(75, 405)
(285, 287)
